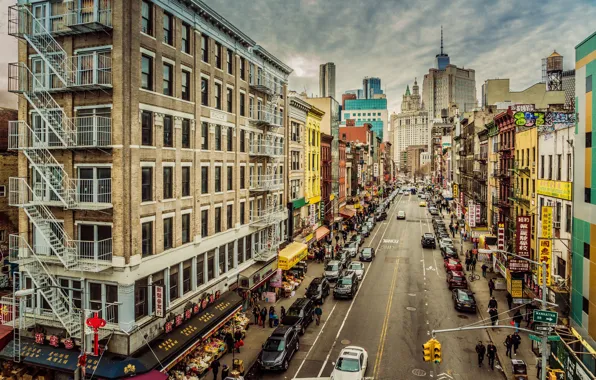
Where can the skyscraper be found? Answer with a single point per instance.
(371, 86)
(442, 59)
(327, 80)
(410, 126)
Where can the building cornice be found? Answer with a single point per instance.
(300, 104)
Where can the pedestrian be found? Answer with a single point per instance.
(271, 316)
(492, 303)
(491, 353)
(318, 314)
(283, 312)
(480, 350)
(517, 319)
(509, 300)
(263, 316)
(484, 268)
(229, 339)
(539, 368)
(238, 340)
(225, 371)
(516, 340)
(494, 316)
(491, 286)
(473, 262)
(255, 314)
(215, 367)
(508, 345)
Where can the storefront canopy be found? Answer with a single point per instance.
(347, 212)
(322, 232)
(292, 254)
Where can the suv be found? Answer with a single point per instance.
(428, 241)
(332, 270)
(456, 279)
(367, 254)
(279, 348)
(381, 215)
(300, 314)
(318, 290)
(347, 285)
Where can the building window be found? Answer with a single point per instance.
(559, 166)
(146, 128)
(589, 83)
(186, 38)
(242, 141)
(251, 106)
(242, 105)
(222, 260)
(204, 136)
(230, 140)
(200, 270)
(168, 182)
(167, 79)
(229, 61)
(168, 233)
(217, 219)
(141, 299)
(218, 96)
(186, 181)
(587, 251)
(186, 276)
(218, 55)
(243, 177)
(147, 72)
(568, 216)
(218, 179)
(204, 179)
(587, 195)
(229, 216)
(229, 100)
(185, 228)
(185, 83)
(542, 166)
(242, 69)
(147, 238)
(168, 28)
(230, 178)
(204, 91)
(588, 139)
(146, 184)
(174, 282)
(569, 167)
(185, 133)
(147, 17)
(217, 137)
(168, 131)
(242, 213)
(550, 166)
(204, 223)
(205, 48)
(240, 253)
(211, 265)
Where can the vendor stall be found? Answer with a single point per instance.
(288, 258)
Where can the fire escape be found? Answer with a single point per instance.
(56, 132)
(266, 150)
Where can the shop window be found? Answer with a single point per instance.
(186, 285)
(240, 252)
(248, 248)
(210, 265)
(174, 282)
(223, 268)
(231, 255)
(200, 269)
(141, 299)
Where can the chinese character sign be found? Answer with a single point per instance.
(159, 301)
(545, 250)
(455, 191)
(501, 236)
(547, 222)
(376, 169)
(523, 236)
(478, 213)
(458, 212)
(471, 214)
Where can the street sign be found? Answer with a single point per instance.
(554, 338)
(543, 328)
(546, 316)
(534, 338)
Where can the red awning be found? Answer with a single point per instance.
(321, 232)
(347, 213)
(5, 335)
(152, 375)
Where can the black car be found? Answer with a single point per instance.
(347, 285)
(428, 241)
(279, 348)
(367, 254)
(300, 314)
(449, 252)
(382, 215)
(318, 290)
(463, 300)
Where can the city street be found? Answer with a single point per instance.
(401, 299)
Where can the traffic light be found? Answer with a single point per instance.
(427, 349)
(437, 352)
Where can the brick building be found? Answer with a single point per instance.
(326, 179)
(8, 168)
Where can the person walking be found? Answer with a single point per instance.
(473, 262)
(484, 269)
(318, 314)
(494, 316)
(229, 339)
(255, 314)
(468, 262)
(282, 312)
(492, 303)
(491, 354)
(480, 350)
(263, 316)
(508, 345)
(516, 340)
(215, 367)
(238, 340)
(539, 368)
(491, 286)
(225, 371)
(517, 319)
(509, 300)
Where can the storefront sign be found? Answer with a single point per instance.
(556, 189)
(458, 211)
(359, 173)
(522, 239)
(518, 265)
(517, 288)
(455, 190)
(498, 266)
(312, 215)
(376, 169)
(545, 250)
(159, 301)
(547, 222)
(501, 237)
(478, 213)
(471, 214)
(275, 280)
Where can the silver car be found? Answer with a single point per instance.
(351, 249)
(358, 268)
(332, 270)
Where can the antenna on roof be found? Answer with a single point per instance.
(441, 39)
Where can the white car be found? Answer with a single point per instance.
(358, 268)
(446, 242)
(401, 215)
(351, 364)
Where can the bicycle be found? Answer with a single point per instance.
(473, 277)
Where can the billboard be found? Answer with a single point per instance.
(547, 222)
(159, 301)
(545, 251)
(471, 214)
(501, 236)
(522, 238)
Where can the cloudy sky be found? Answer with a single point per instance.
(396, 40)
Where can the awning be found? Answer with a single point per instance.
(321, 232)
(347, 213)
(256, 274)
(151, 375)
(292, 254)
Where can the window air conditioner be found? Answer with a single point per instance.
(557, 225)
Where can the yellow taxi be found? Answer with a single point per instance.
(422, 204)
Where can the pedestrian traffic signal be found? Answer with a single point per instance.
(437, 352)
(427, 349)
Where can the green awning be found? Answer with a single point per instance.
(299, 203)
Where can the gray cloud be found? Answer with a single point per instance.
(397, 40)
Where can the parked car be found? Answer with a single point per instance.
(357, 239)
(358, 268)
(351, 364)
(428, 241)
(351, 249)
(332, 270)
(318, 290)
(464, 300)
(365, 231)
(367, 254)
(401, 215)
(445, 242)
(300, 314)
(382, 215)
(449, 252)
(344, 260)
(279, 348)
(453, 265)
(456, 279)
(433, 211)
(347, 285)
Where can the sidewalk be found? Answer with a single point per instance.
(482, 294)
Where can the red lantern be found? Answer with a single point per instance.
(39, 338)
(68, 343)
(179, 320)
(195, 308)
(96, 323)
(187, 314)
(54, 341)
(82, 362)
(168, 327)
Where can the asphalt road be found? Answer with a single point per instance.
(402, 297)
